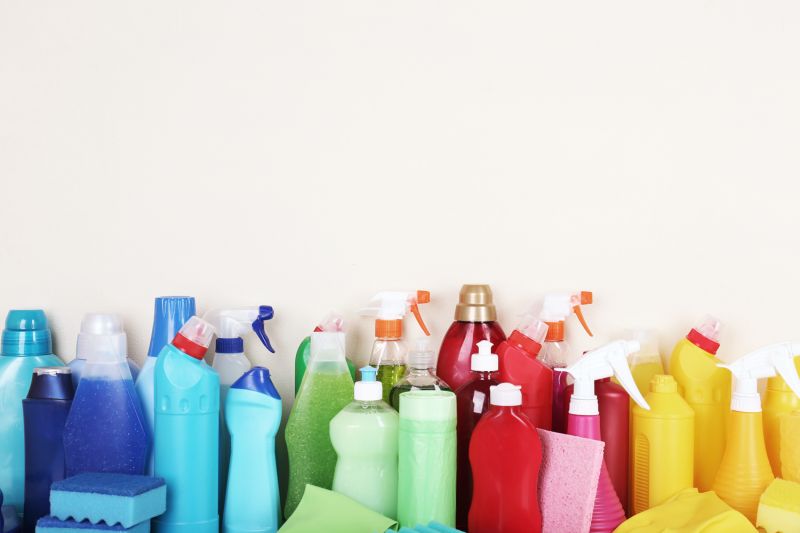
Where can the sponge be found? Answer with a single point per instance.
(568, 481)
(49, 524)
(790, 447)
(779, 508)
(112, 498)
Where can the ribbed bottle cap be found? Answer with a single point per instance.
(26, 333)
(422, 355)
(194, 337)
(663, 383)
(475, 304)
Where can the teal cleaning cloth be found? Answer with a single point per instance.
(325, 510)
(50, 524)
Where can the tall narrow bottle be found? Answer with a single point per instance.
(419, 374)
(779, 401)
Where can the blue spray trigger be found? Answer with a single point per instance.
(368, 373)
(265, 312)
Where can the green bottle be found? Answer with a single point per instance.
(332, 322)
(326, 390)
(426, 488)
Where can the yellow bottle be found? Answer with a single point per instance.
(779, 400)
(662, 456)
(790, 446)
(707, 390)
(646, 363)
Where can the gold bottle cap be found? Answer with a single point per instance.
(475, 304)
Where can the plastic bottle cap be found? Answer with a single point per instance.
(484, 360)
(169, 316)
(51, 383)
(368, 389)
(26, 333)
(475, 304)
(663, 383)
(706, 335)
(257, 379)
(102, 338)
(328, 346)
(505, 394)
(194, 337)
(422, 355)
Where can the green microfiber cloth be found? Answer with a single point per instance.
(325, 510)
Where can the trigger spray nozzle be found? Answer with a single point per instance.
(265, 312)
(390, 307)
(233, 324)
(557, 306)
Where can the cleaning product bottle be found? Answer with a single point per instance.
(584, 417)
(519, 365)
(187, 432)
(78, 364)
(475, 321)
(419, 374)
(426, 487)
(556, 352)
(389, 351)
(505, 454)
(332, 322)
(744, 472)
(364, 435)
(253, 415)
(231, 363)
(171, 313)
(472, 402)
(662, 459)
(46, 407)
(646, 363)
(106, 430)
(326, 390)
(26, 344)
(707, 390)
(779, 400)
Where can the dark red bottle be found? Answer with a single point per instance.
(476, 320)
(505, 454)
(472, 402)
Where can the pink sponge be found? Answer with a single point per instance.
(568, 481)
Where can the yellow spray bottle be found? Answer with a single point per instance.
(779, 400)
(744, 473)
(707, 390)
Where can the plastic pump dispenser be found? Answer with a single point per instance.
(745, 473)
(419, 374)
(368, 389)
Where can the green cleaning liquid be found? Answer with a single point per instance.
(389, 375)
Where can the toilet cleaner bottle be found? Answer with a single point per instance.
(332, 322)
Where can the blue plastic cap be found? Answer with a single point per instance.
(51, 383)
(171, 313)
(26, 333)
(368, 373)
(257, 379)
(234, 345)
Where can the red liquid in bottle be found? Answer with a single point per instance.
(518, 365)
(458, 345)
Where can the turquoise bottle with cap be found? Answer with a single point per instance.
(26, 344)
(187, 432)
(253, 415)
(364, 435)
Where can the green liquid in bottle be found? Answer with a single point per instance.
(388, 375)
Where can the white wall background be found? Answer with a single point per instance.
(307, 154)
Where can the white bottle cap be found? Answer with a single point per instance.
(505, 394)
(484, 360)
(368, 389)
(102, 338)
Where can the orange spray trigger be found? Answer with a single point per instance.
(578, 313)
(586, 297)
(423, 297)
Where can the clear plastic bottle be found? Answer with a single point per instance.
(419, 375)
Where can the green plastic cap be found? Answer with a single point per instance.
(26, 333)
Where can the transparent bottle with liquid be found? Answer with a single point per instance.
(420, 374)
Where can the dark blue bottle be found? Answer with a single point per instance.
(45, 413)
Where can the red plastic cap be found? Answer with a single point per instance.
(701, 341)
(520, 340)
(198, 351)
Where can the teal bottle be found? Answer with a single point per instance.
(187, 432)
(26, 344)
(253, 415)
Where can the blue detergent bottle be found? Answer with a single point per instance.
(253, 415)
(171, 313)
(106, 430)
(187, 432)
(46, 409)
(26, 344)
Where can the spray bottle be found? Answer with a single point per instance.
(584, 417)
(332, 322)
(745, 472)
(389, 351)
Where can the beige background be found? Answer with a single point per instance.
(307, 154)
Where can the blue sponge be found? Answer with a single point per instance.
(112, 498)
(50, 524)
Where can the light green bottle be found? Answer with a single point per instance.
(364, 435)
(327, 388)
(427, 458)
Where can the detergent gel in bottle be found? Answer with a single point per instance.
(187, 432)
(519, 365)
(389, 351)
(584, 417)
(419, 374)
(475, 321)
(779, 400)
(106, 430)
(46, 409)
(26, 344)
(745, 472)
(472, 402)
(171, 313)
(332, 322)
(327, 388)
(364, 435)
(707, 390)
(556, 352)
(253, 415)
(231, 363)
(505, 454)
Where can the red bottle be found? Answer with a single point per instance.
(519, 365)
(472, 401)
(475, 321)
(506, 455)
(614, 407)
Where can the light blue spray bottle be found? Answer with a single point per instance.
(26, 344)
(253, 415)
(187, 432)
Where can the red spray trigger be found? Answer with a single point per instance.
(423, 297)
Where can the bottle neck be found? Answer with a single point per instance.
(485, 375)
(555, 332)
(419, 371)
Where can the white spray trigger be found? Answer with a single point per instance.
(766, 362)
(236, 322)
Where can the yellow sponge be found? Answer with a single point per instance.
(779, 508)
(790, 447)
